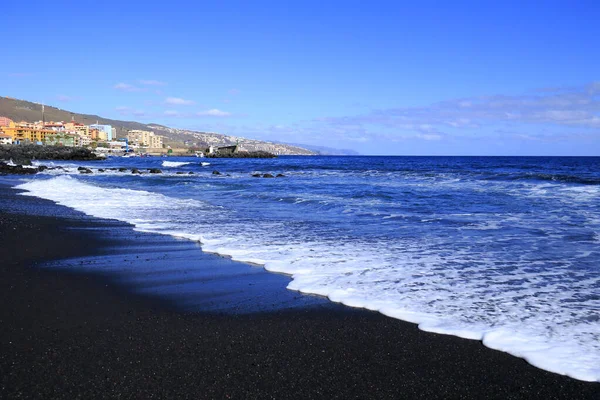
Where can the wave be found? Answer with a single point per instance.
(560, 178)
(174, 163)
(523, 310)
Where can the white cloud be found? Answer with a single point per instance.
(130, 111)
(213, 113)
(126, 87)
(570, 106)
(179, 101)
(430, 136)
(151, 82)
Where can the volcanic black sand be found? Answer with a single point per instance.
(90, 335)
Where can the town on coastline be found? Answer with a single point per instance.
(97, 137)
(100, 138)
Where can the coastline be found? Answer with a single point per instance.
(82, 334)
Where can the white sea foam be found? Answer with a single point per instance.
(174, 163)
(205, 164)
(469, 290)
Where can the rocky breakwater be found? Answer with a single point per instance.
(23, 154)
(243, 154)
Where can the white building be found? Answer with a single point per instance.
(144, 138)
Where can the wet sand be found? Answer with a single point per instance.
(95, 326)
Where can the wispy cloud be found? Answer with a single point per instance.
(213, 113)
(234, 92)
(128, 111)
(206, 113)
(179, 101)
(127, 87)
(574, 107)
(151, 82)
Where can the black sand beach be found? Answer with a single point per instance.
(84, 335)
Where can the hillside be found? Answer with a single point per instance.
(21, 110)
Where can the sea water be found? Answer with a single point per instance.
(499, 249)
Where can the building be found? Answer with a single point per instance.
(108, 130)
(55, 126)
(144, 139)
(156, 142)
(139, 137)
(98, 135)
(25, 132)
(84, 140)
(81, 129)
(5, 121)
(228, 149)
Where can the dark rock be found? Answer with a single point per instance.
(42, 168)
(216, 172)
(101, 170)
(22, 154)
(243, 154)
(268, 176)
(280, 176)
(180, 172)
(16, 169)
(190, 173)
(155, 171)
(84, 170)
(256, 175)
(135, 171)
(122, 169)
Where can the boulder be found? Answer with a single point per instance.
(268, 176)
(280, 176)
(256, 175)
(216, 172)
(16, 169)
(122, 169)
(155, 171)
(135, 171)
(84, 170)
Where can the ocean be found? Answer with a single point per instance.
(505, 250)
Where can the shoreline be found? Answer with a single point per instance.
(80, 334)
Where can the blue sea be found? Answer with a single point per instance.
(505, 250)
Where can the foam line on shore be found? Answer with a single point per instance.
(316, 269)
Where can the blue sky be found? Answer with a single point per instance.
(380, 77)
